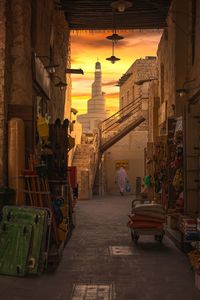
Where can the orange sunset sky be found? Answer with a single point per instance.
(86, 47)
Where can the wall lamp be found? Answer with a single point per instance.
(184, 91)
(74, 110)
(140, 82)
(51, 68)
(62, 85)
(74, 71)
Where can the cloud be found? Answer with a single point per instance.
(81, 94)
(84, 78)
(112, 95)
(109, 83)
(90, 41)
(99, 39)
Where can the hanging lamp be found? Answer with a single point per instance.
(115, 37)
(121, 5)
(113, 58)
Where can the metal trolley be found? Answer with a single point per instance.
(157, 233)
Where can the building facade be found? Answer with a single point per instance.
(129, 151)
(34, 47)
(173, 156)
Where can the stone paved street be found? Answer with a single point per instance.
(151, 271)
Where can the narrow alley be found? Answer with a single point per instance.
(150, 271)
(99, 150)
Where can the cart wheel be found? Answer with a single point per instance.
(135, 236)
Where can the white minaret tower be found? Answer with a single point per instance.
(96, 86)
(96, 105)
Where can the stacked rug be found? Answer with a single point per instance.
(188, 225)
(147, 216)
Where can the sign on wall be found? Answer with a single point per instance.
(122, 163)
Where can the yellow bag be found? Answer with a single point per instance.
(42, 127)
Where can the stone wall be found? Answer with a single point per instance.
(173, 58)
(60, 57)
(141, 69)
(153, 111)
(2, 83)
(36, 27)
(19, 16)
(194, 67)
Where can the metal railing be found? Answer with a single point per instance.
(119, 121)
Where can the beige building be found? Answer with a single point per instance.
(129, 151)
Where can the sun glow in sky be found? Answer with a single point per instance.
(87, 47)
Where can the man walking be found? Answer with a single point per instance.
(121, 180)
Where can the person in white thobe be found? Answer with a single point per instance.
(121, 179)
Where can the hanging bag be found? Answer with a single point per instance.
(128, 187)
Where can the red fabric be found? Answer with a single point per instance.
(137, 224)
(140, 217)
(189, 222)
(73, 176)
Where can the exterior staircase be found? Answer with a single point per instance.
(88, 155)
(122, 122)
